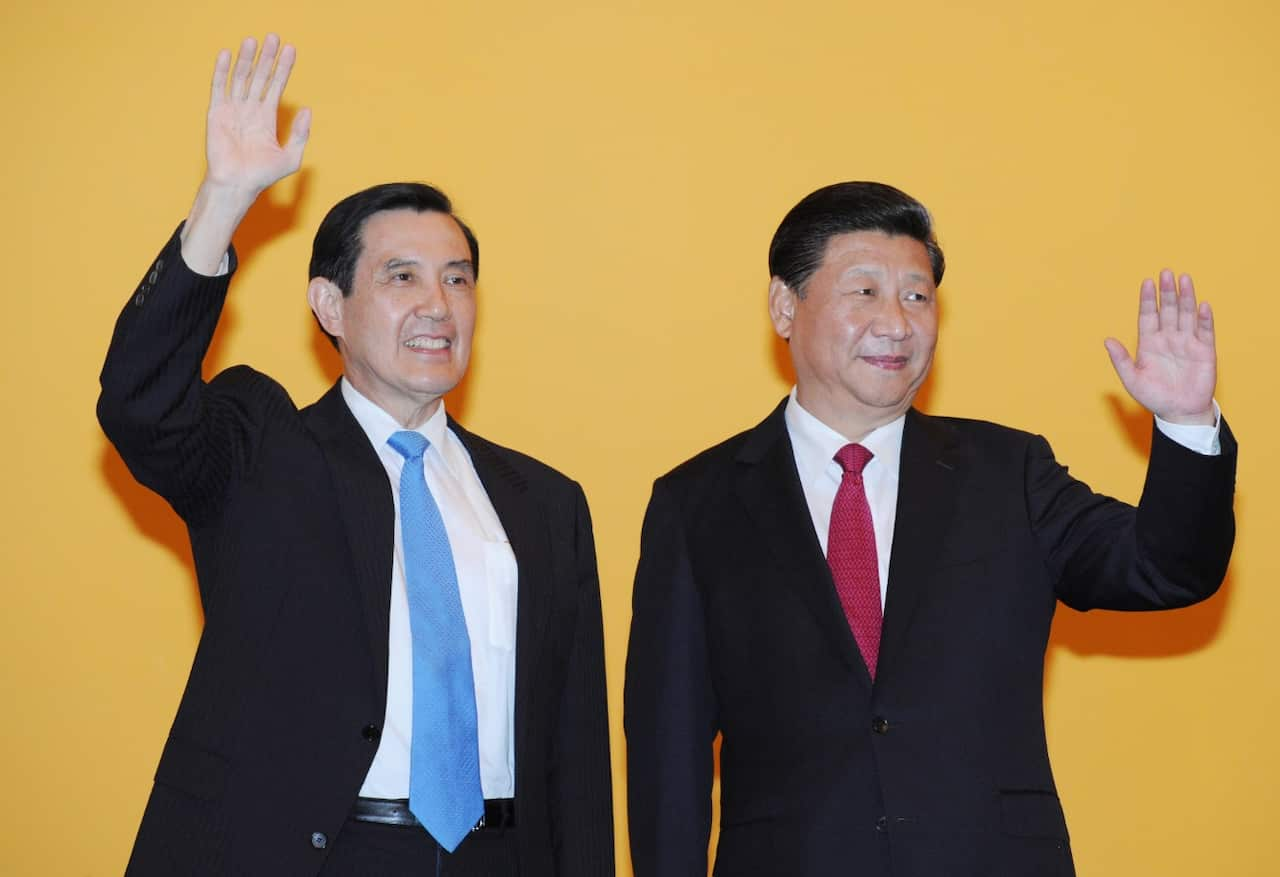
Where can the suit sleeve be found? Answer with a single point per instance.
(178, 436)
(669, 710)
(582, 787)
(1170, 551)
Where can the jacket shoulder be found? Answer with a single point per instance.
(981, 432)
(707, 464)
(527, 468)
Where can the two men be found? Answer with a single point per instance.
(402, 667)
(858, 596)
(855, 595)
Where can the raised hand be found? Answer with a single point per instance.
(241, 145)
(1175, 369)
(242, 148)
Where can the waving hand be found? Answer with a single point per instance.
(1175, 368)
(242, 148)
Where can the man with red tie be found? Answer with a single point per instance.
(857, 596)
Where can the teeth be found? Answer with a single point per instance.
(427, 343)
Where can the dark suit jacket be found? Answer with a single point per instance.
(940, 768)
(291, 520)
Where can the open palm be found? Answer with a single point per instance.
(1175, 369)
(242, 147)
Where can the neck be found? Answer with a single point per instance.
(853, 422)
(409, 413)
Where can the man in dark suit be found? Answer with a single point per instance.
(858, 596)
(366, 698)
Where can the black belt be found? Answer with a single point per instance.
(498, 812)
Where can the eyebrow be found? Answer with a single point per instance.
(874, 271)
(394, 263)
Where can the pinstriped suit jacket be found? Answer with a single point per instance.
(291, 522)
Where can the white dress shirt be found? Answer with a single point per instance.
(487, 582)
(815, 444)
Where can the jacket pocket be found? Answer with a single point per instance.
(191, 768)
(1032, 813)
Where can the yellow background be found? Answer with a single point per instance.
(625, 167)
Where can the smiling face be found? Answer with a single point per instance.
(404, 331)
(862, 334)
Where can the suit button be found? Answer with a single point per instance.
(152, 278)
(139, 298)
(882, 824)
(319, 840)
(370, 733)
(159, 264)
(880, 725)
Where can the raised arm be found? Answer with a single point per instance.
(1175, 368)
(242, 149)
(180, 437)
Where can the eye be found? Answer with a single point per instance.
(456, 280)
(402, 277)
(916, 295)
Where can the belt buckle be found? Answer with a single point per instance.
(479, 825)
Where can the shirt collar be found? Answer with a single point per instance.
(815, 443)
(379, 426)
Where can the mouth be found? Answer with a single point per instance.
(888, 363)
(425, 342)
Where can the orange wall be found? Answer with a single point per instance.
(625, 168)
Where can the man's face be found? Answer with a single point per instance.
(405, 330)
(862, 338)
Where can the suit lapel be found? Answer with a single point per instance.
(769, 487)
(930, 472)
(526, 530)
(368, 513)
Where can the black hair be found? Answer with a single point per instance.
(340, 239)
(800, 243)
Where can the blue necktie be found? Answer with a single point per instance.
(444, 758)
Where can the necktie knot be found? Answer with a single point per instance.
(411, 445)
(853, 458)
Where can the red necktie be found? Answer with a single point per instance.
(851, 554)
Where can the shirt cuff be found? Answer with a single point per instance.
(1201, 439)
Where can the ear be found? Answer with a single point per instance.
(326, 302)
(782, 307)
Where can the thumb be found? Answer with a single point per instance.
(299, 131)
(1120, 360)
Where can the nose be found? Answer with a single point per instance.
(891, 320)
(432, 304)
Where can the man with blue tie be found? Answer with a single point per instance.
(857, 596)
(402, 666)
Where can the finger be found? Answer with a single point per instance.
(279, 79)
(1186, 304)
(1204, 324)
(1120, 360)
(244, 63)
(262, 70)
(1168, 302)
(1148, 318)
(221, 68)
